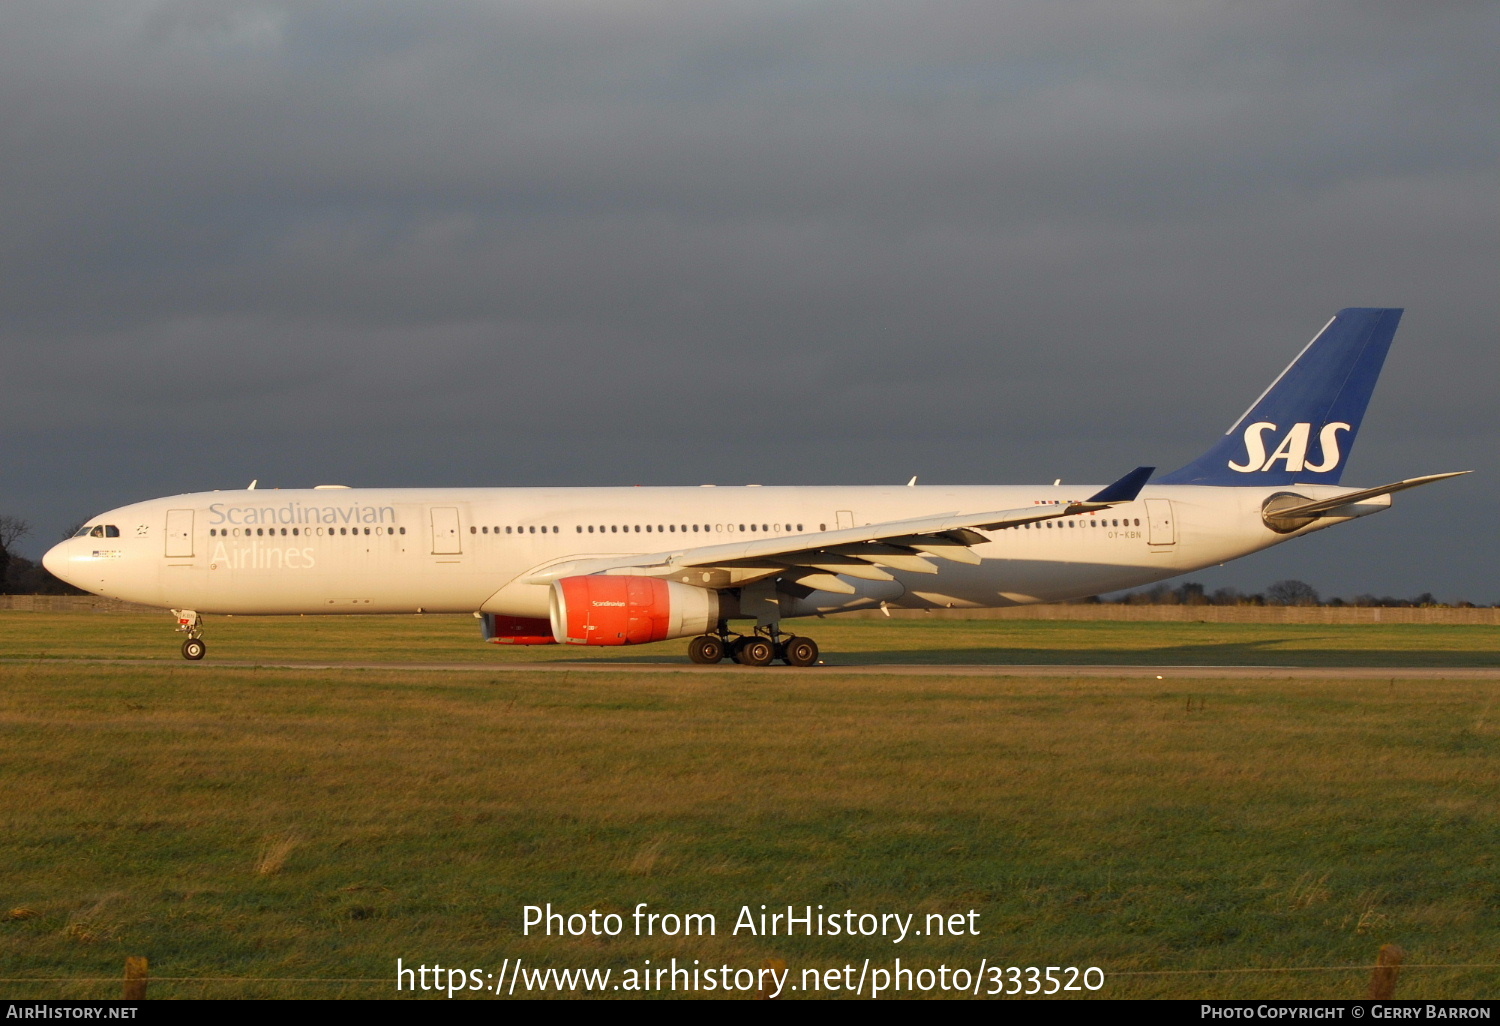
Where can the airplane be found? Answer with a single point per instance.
(636, 565)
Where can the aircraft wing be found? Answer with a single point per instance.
(818, 560)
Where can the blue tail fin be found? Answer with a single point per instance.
(1302, 428)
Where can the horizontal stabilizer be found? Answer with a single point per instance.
(1312, 509)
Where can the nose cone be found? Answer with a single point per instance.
(57, 564)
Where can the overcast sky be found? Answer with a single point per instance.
(448, 243)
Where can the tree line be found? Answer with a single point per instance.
(1281, 593)
(22, 576)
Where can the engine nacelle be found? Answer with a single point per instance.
(604, 609)
(516, 630)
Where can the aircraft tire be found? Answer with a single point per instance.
(800, 652)
(193, 648)
(756, 652)
(706, 650)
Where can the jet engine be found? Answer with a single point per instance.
(606, 609)
(516, 630)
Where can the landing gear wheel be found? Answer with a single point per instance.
(193, 648)
(706, 650)
(800, 652)
(756, 652)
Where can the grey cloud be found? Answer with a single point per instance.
(657, 242)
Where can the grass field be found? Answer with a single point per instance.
(276, 825)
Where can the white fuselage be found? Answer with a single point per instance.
(402, 550)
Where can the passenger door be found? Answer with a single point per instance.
(179, 534)
(1162, 531)
(446, 540)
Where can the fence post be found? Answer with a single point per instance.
(135, 978)
(1387, 968)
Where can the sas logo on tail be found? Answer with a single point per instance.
(1292, 450)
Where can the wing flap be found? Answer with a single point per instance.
(826, 582)
(850, 568)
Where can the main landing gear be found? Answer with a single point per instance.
(191, 624)
(762, 648)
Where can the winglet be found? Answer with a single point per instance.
(1125, 489)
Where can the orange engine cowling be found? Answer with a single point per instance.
(516, 630)
(622, 610)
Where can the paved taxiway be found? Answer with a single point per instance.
(857, 669)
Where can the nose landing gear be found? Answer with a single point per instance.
(191, 624)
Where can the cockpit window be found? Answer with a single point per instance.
(83, 532)
(111, 531)
(98, 531)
